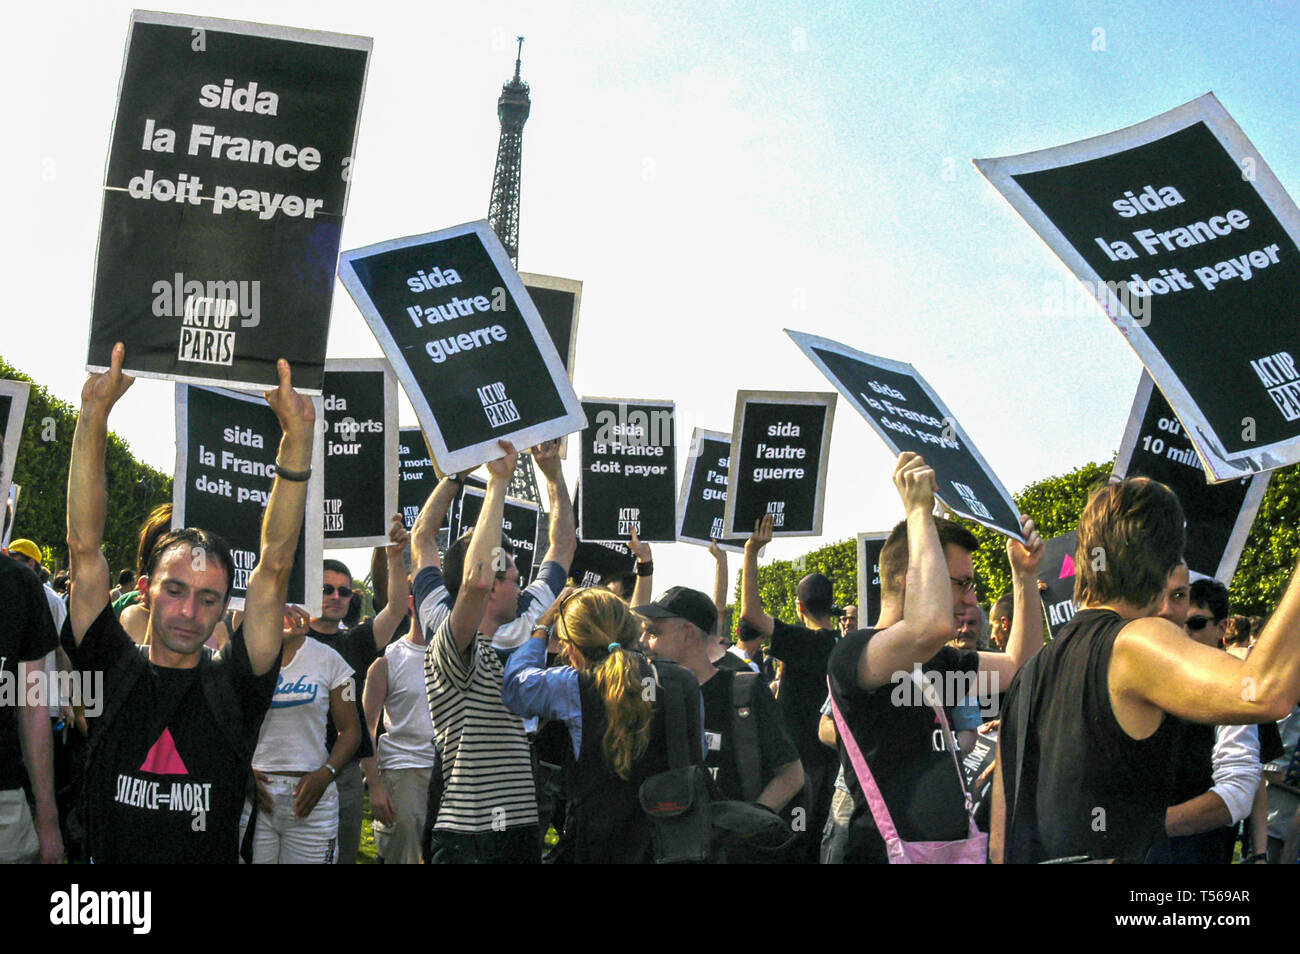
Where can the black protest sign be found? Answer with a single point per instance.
(1219, 516)
(11, 510)
(628, 473)
(224, 198)
(518, 526)
(226, 446)
(593, 562)
(702, 502)
(908, 415)
(557, 301)
(1182, 233)
(466, 342)
(1058, 571)
(13, 410)
(416, 479)
(869, 547)
(779, 449)
(361, 460)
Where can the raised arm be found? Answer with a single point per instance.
(719, 586)
(751, 606)
(644, 562)
(268, 584)
(927, 621)
(1026, 636)
(87, 495)
(424, 532)
(484, 551)
(399, 587)
(563, 526)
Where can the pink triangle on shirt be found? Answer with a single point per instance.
(163, 759)
(1067, 567)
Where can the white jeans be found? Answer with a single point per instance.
(281, 838)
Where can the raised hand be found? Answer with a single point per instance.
(504, 467)
(104, 389)
(397, 534)
(1025, 558)
(547, 456)
(296, 413)
(915, 483)
(718, 553)
(762, 532)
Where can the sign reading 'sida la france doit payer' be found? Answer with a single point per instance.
(1181, 232)
(361, 441)
(779, 449)
(224, 195)
(904, 410)
(226, 445)
(466, 342)
(628, 474)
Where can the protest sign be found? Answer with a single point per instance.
(779, 449)
(1181, 232)
(1058, 571)
(11, 511)
(702, 502)
(226, 445)
(1219, 516)
(361, 440)
(594, 561)
(557, 301)
(518, 526)
(869, 547)
(466, 342)
(13, 410)
(628, 472)
(908, 415)
(416, 479)
(224, 195)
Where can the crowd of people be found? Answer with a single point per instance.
(490, 721)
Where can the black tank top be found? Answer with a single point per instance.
(1088, 788)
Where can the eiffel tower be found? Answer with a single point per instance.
(513, 107)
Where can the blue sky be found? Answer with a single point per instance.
(713, 173)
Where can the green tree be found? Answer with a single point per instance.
(778, 580)
(41, 469)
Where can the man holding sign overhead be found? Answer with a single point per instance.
(169, 757)
(890, 685)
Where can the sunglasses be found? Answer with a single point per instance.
(343, 591)
(1198, 623)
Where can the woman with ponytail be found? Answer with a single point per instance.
(605, 697)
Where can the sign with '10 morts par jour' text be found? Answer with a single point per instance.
(416, 478)
(904, 410)
(1183, 234)
(628, 472)
(702, 502)
(466, 342)
(518, 526)
(226, 446)
(224, 196)
(1219, 516)
(779, 449)
(361, 441)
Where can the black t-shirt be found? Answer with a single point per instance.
(357, 647)
(166, 784)
(1087, 787)
(905, 747)
(26, 636)
(774, 746)
(805, 653)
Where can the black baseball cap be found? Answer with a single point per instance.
(682, 602)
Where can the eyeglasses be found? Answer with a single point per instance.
(965, 584)
(344, 592)
(1198, 623)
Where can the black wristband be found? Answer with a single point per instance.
(301, 476)
(646, 569)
